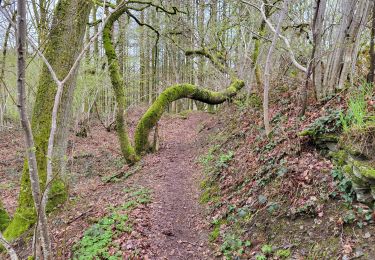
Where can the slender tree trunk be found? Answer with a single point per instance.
(96, 42)
(3, 92)
(142, 61)
(268, 67)
(371, 77)
(67, 30)
(317, 28)
(31, 156)
(316, 57)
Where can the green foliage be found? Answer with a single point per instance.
(207, 158)
(343, 184)
(138, 194)
(260, 257)
(233, 246)
(328, 124)
(215, 233)
(266, 249)
(224, 160)
(357, 114)
(4, 217)
(213, 166)
(349, 217)
(99, 238)
(283, 253)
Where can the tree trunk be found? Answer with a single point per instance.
(67, 30)
(174, 93)
(316, 61)
(267, 69)
(118, 88)
(42, 229)
(354, 17)
(3, 92)
(317, 28)
(370, 77)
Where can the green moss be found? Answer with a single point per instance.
(61, 57)
(283, 253)
(58, 194)
(215, 233)
(210, 194)
(349, 173)
(306, 132)
(364, 169)
(4, 217)
(118, 88)
(255, 101)
(349, 148)
(340, 157)
(173, 93)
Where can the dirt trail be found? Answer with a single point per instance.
(176, 228)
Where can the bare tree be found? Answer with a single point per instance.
(33, 169)
(268, 67)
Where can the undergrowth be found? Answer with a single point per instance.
(98, 241)
(357, 114)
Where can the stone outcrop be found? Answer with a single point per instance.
(353, 151)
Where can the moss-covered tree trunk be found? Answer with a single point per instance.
(118, 88)
(173, 93)
(64, 44)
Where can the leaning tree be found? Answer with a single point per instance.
(169, 95)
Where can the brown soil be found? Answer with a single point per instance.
(177, 227)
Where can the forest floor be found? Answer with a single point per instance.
(217, 188)
(169, 225)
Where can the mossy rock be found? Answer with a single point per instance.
(360, 141)
(325, 128)
(340, 157)
(365, 170)
(360, 183)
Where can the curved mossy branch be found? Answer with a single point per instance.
(118, 87)
(173, 93)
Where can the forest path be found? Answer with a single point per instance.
(176, 228)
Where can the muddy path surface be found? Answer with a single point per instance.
(177, 228)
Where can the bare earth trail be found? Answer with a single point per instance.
(176, 229)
